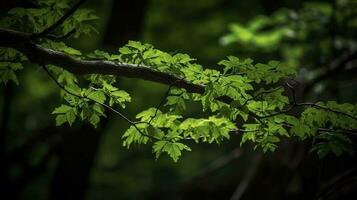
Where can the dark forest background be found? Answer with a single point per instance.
(43, 161)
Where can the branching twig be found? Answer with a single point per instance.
(296, 104)
(306, 104)
(156, 110)
(159, 105)
(259, 94)
(327, 130)
(102, 104)
(327, 109)
(236, 131)
(161, 102)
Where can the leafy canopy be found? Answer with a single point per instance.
(244, 98)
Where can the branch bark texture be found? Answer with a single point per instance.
(37, 54)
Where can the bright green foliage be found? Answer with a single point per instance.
(168, 128)
(269, 73)
(254, 102)
(88, 104)
(172, 148)
(132, 135)
(265, 136)
(177, 102)
(210, 130)
(82, 108)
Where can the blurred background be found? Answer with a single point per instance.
(43, 161)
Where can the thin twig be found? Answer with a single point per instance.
(236, 131)
(327, 109)
(161, 102)
(326, 130)
(61, 37)
(295, 104)
(159, 105)
(259, 94)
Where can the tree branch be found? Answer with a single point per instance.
(37, 54)
(23, 43)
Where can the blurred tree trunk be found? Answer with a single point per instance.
(76, 157)
(78, 151)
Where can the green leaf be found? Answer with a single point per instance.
(133, 136)
(71, 117)
(60, 46)
(173, 149)
(94, 120)
(74, 89)
(97, 96)
(119, 96)
(60, 119)
(146, 115)
(99, 109)
(65, 114)
(62, 109)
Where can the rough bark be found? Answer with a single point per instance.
(43, 56)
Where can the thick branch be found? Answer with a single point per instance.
(43, 56)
